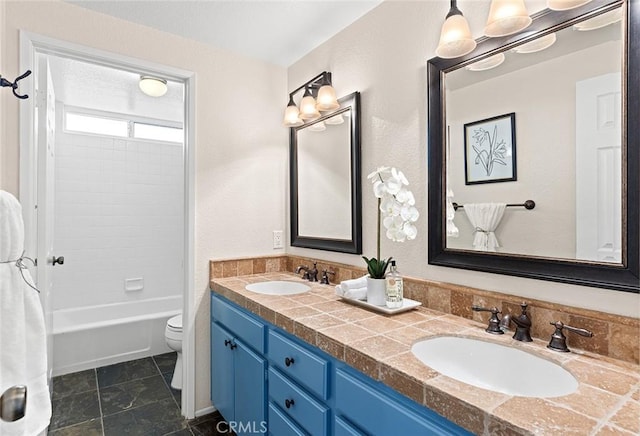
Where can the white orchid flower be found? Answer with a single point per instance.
(393, 185)
(399, 175)
(410, 230)
(409, 213)
(379, 172)
(390, 206)
(379, 188)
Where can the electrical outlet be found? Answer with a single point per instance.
(277, 239)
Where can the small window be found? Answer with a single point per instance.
(157, 133)
(96, 125)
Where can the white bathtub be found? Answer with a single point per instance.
(94, 336)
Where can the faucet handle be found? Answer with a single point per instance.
(494, 321)
(325, 277)
(558, 340)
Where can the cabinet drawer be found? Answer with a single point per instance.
(298, 363)
(241, 324)
(302, 408)
(345, 429)
(280, 425)
(379, 414)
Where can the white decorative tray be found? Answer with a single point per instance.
(407, 304)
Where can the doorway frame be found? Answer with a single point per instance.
(32, 44)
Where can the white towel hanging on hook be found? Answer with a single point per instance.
(485, 218)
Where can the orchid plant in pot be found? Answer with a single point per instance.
(397, 213)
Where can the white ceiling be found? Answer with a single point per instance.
(278, 32)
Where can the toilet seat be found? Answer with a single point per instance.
(175, 323)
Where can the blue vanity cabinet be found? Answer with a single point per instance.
(238, 368)
(300, 389)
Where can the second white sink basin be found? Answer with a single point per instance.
(495, 367)
(278, 287)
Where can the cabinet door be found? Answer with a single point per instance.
(250, 390)
(222, 384)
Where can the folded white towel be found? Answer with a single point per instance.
(23, 359)
(356, 294)
(353, 283)
(339, 291)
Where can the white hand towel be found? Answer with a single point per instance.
(356, 294)
(485, 218)
(23, 356)
(339, 291)
(353, 283)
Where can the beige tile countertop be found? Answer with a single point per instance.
(607, 401)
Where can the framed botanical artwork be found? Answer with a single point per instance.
(490, 150)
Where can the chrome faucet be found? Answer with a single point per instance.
(522, 322)
(558, 340)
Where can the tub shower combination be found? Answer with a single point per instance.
(95, 336)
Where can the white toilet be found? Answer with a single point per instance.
(173, 336)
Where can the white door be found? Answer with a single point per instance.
(598, 169)
(45, 123)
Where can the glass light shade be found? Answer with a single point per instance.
(600, 21)
(152, 86)
(335, 120)
(487, 64)
(563, 5)
(318, 127)
(292, 116)
(537, 44)
(308, 109)
(455, 38)
(506, 17)
(327, 100)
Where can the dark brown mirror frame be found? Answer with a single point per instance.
(625, 277)
(354, 245)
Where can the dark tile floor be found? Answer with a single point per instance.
(130, 398)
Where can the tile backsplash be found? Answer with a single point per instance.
(615, 336)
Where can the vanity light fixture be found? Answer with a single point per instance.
(506, 17)
(537, 44)
(153, 86)
(318, 127)
(319, 96)
(455, 37)
(600, 21)
(487, 64)
(563, 5)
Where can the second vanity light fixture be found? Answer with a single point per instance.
(319, 96)
(506, 17)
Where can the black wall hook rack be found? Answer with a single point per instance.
(14, 85)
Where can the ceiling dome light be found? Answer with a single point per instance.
(486, 64)
(308, 111)
(537, 44)
(292, 115)
(153, 86)
(506, 17)
(563, 5)
(455, 36)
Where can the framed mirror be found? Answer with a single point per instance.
(565, 95)
(326, 203)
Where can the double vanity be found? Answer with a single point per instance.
(292, 356)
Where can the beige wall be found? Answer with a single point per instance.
(384, 56)
(241, 148)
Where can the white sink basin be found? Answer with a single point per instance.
(495, 367)
(278, 287)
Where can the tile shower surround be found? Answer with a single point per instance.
(606, 401)
(614, 336)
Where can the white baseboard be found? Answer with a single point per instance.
(205, 411)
